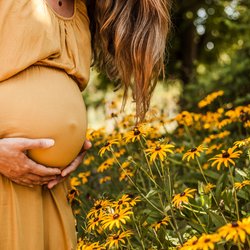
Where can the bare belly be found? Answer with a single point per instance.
(43, 102)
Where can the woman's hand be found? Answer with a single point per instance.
(72, 167)
(16, 166)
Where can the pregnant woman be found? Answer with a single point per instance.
(45, 56)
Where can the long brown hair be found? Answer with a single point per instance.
(129, 40)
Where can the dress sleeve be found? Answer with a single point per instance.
(23, 31)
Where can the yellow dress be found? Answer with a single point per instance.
(44, 65)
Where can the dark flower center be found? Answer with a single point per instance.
(116, 216)
(106, 144)
(96, 219)
(73, 191)
(182, 194)
(136, 131)
(120, 202)
(159, 222)
(193, 150)
(235, 224)
(207, 240)
(194, 242)
(225, 155)
(116, 237)
(157, 148)
(97, 207)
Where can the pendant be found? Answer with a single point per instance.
(60, 3)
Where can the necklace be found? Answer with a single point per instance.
(59, 2)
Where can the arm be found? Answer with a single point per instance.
(16, 166)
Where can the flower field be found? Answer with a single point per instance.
(143, 187)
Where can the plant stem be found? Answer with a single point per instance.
(235, 194)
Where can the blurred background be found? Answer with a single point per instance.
(208, 50)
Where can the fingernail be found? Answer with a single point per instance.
(88, 144)
(49, 142)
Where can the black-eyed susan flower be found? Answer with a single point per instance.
(226, 157)
(242, 143)
(108, 146)
(105, 179)
(82, 245)
(124, 201)
(116, 239)
(84, 176)
(240, 185)
(106, 165)
(74, 181)
(193, 152)
(208, 187)
(184, 118)
(210, 98)
(99, 206)
(159, 150)
(72, 195)
(235, 231)
(136, 133)
(163, 222)
(95, 222)
(124, 174)
(207, 241)
(183, 197)
(88, 160)
(116, 218)
(190, 244)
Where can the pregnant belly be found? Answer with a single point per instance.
(43, 102)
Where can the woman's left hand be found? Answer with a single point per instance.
(72, 167)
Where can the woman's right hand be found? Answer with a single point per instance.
(19, 168)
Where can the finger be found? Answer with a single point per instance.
(53, 183)
(87, 145)
(41, 179)
(74, 165)
(41, 170)
(23, 183)
(25, 143)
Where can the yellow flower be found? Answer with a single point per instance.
(183, 197)
(105, 179)
(160, 223)
(135, 134)
(240, 185)
(208, 188)
(94, 222)
(74, 181)
(184, 118)
(207, 241)
(190, 244)
(99, 206)
(124, 201)
(124, 174)
(72, 195)
(106, 165)
(107, 146)
(226, 157)
(116, 218)
(89, 246)
(117, 239)
(210, 98)
(88, 160)
(235, 231)
(247, 124)
(159, 150)
(191, 153)
(84, 176)
(242, 143)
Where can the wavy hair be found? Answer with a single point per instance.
(129, 40)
